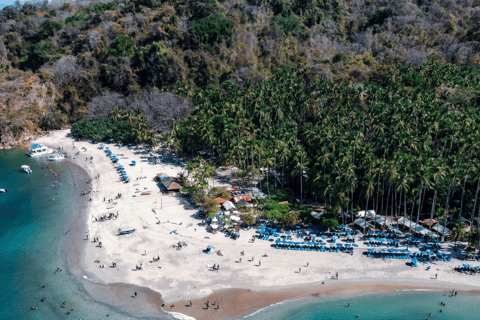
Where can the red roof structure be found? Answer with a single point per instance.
(244, 198)
(221, 200)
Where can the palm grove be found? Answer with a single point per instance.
(405, 143)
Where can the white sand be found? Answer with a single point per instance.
(185, 274)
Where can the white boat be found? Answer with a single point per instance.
(26, 169)
(38, 150)
(3, 190)
(56, 156)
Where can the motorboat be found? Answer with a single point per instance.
(38, 150)
(3, 190)
(26, 169)
(56, 156)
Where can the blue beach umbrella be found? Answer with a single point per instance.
(355, 245)
(339, 244)
(323, 244)
(348, 245)
(288, 232)
(263, 227)
(323, 237)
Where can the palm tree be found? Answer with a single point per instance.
(458, 232)
(116, 114)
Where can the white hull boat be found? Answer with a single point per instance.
(38, 150)
(3, 190)
(26, 169)
(56, 157)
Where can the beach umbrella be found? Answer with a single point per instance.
(339, 244)
(278, 241)
(355, 245)
(313, 235)
(263, 227)
(323, 244)
(309, 230)
(323, 237)
(134, 162)
(298, 227)
(371, 250)
(342, 226)
(214, 226)
(275, 234)
(214, 219)
(348, 245)
(370, 232)
(288, 232)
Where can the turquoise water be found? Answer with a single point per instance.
(404, 305)
(32, 237)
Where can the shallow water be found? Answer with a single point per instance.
(32, 237)
(399, 305)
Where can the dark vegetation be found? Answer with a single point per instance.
(127, 127)
(403, 143)
(366, 110)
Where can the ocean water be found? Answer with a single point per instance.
(32, 238)
(393, 306)
(32, 233)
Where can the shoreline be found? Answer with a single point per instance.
(243, 303)
(237, 299)
(74, 252)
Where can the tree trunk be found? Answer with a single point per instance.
(419, 201)
(463, 193)
(475, 203)
(433, 203)
(301, 176)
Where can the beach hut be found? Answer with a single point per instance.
(366, 214)
(362, 223)
(229, 205)
(170, 185)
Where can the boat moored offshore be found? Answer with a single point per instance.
(38, 150)
(3, 190)
(26, 169)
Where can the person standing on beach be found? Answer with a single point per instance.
(435, 276)
(336, 275)
(135, 294)
(259, 263)
(190, 303)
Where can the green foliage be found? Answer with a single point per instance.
(123, 46)
(329, 221)
(130, 129)
(37, 54)
(97, 129)
(100, 8)
(49, 27)
(291, 25)
(213, 29)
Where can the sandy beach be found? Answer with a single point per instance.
(181, 276)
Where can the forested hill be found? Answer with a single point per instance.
(61, 63)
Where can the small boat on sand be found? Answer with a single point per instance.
(146, 193)
(126, 231)
(56, 157)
